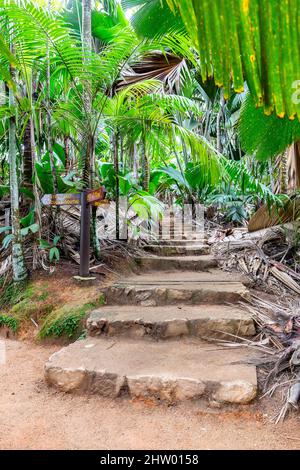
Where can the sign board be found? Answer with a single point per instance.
(103, 202)
(96, 195)
(68, 199)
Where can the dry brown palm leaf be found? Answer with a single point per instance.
(165, 67)
(266, 217)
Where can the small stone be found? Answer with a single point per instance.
(189, 389)
(148, 303)
(150, 386)
(214, 404)
(175, 295)
(106, 384)
(67, 380)
(175, 328)
(238, 391)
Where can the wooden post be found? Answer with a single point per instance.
(84, 268)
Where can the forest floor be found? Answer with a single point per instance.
(34, 416)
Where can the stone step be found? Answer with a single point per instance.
(165, 288)
(168, 371)
(168, 263)
(171, 250)
(202, 321)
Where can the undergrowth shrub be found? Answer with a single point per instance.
(9, 321)
(66, 321)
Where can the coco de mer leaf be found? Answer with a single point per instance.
(253, 40)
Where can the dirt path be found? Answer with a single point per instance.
(35, 417)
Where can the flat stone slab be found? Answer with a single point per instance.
(202, 321)
(165, 288)
(169, 371)
(170, 250)
(186, 263)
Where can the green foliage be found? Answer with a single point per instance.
(252, 40)
(153, 18)
(9, 321)
(23, 301)
(14, 293)
(235, 206)
(54, 254)
(34, 228)
(66, 321)
(265, 136)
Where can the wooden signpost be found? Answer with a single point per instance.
(84, 199)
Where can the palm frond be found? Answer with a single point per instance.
(253, 40)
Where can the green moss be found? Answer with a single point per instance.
(101, 300)
(9, 321)
(66, 321)
(13, 293)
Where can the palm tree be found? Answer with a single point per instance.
(18, 261)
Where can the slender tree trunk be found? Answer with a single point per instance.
(48, 119)
(88, 140)
(67, 152)
(88, 149)
(146, 165)
(218, 123)
(18, 261)
(135, 162)
(28, 164)
(271, 174)
(293, 166)
(27, 156)
(116, 167)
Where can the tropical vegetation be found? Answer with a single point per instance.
(148, 98)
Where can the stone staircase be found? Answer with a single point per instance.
(154, 337)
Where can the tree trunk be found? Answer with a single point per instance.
(135, 162)
(116, 167)
(28, 164)
(88, 149)
(18, 261)
(67, 152)
(48, 110)
(146, 166)
(293, 166)
(218, 123)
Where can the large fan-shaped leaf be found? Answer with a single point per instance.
(252, 39)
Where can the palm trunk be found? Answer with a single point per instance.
(48, 119)
(218, 123)
(116, 167)
(146, 167)
(28, 163)
(88, 149)
(135, 162)
(293, 166)
(18, 261)
(89, 144)
(67, 152)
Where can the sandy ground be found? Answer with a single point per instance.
(32, 416)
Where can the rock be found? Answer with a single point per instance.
(107, 384)
(238, 391)
(187, 389)
(173, 328)
(148, 303)
(67, 380)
